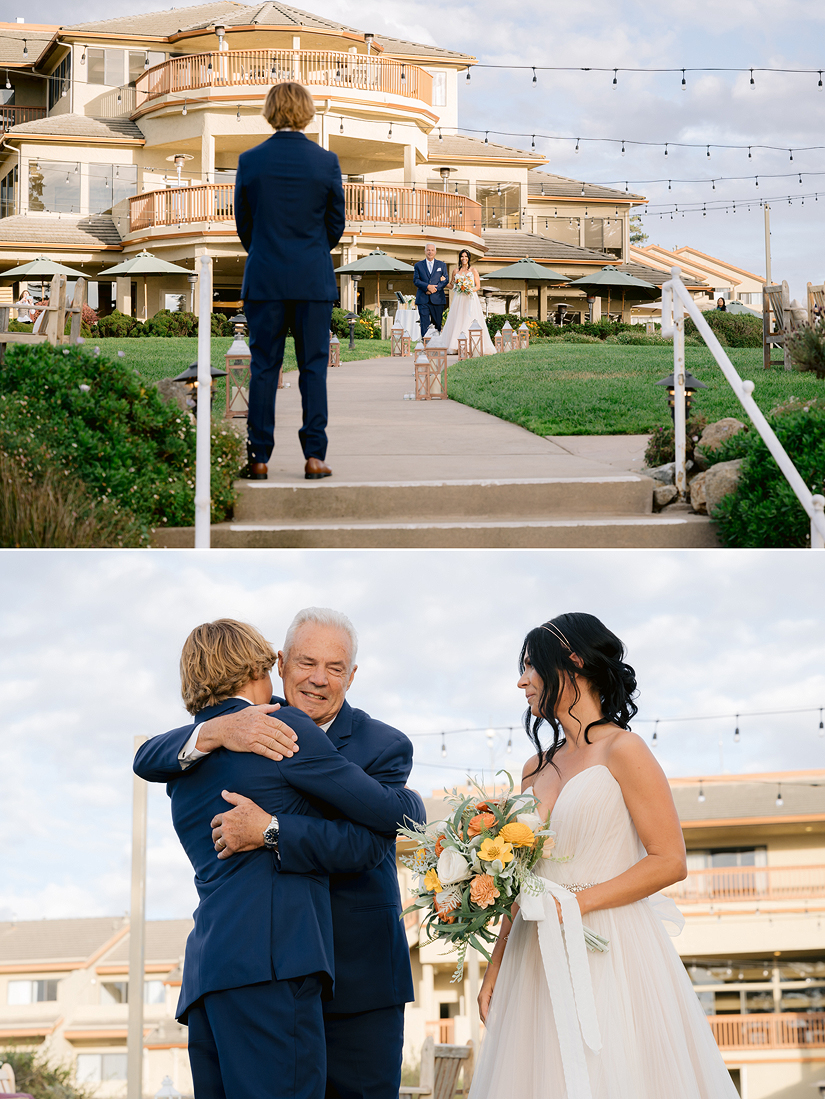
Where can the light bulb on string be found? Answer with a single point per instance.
(753, 82)
(578, 139)
(684, 82)
(443, 746)
(665, 148)
(819, 85)
(821, 723)
(779, 801)
(736, 731)
(654, 740)
(708, 152)
(701, 796)
(615, 77)
(622, 148)
(535, 80)
(468, 75)
(750, 156)
(790, 154)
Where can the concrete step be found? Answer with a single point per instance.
(680, 531)
(381, 502)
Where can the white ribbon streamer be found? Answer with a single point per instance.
(567, 971)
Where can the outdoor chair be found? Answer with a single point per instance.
(440, 1069)
(776, 301)
(816, 303)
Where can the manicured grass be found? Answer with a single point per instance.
(156, 357)
(609, 389)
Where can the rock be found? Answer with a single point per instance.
(715, 434)
(720, 480)
(697, 493)
(666, 474)
(664, 495)
(173, 392)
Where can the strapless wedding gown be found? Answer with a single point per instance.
(629, 1025)
(464, 309)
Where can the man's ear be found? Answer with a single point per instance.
(281, 663)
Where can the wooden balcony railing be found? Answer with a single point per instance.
(741, 883)
(207, 202)
(442, 1030)
(13, 116)
(263, 68)
(788, 1030)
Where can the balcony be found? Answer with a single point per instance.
(376, 205)
(749, 883)
(263, 68)
(13, 116)
(764, 1032)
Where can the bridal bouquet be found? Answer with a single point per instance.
(473, 866)
(464, 284)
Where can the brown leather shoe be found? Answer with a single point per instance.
(315, 469)
(254, 471)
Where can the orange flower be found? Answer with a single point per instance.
(481, 820)
(439, 846)
(445, 908)
(483, 890)
(520, 835)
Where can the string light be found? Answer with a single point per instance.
(736, 731)
(779, 801)
(701, 796)
(184, 112)
(684, 82)
(753, 82)
(654, 740)
(443, 746)
(535, 78)
(615, 77)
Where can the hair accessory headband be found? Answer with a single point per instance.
(557, 633)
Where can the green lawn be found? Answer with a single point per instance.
(608, 389)
(166, 356)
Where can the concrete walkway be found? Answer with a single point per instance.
(376, 435)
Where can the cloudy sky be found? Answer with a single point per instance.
(785, 110)
(89, 645)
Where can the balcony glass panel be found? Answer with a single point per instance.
(500, 205)
(110, 184)
(54, 186)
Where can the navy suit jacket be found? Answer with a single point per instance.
(289, 212)
(253, 921)
(422, 279)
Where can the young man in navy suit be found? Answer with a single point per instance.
(430, 276)
(364, 1019)
(289, 212)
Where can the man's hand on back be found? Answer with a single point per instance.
(241, 828)
(253, 729)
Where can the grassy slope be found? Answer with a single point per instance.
(608, 389)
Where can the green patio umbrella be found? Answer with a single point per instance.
(377, 263)
(40, 270)
(145, 264)
(612, 278)
(527, 270)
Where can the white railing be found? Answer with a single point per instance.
(675, 300)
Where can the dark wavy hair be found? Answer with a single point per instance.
(602, 657)
(465, 252)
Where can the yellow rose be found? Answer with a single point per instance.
(492, 849)
(431, 882)
(520, 835)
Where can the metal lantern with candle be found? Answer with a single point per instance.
(507, 337)
(475, 347)
(238, 372)
(406, 343)
(352, 320)
(431, 374)
(461, 343)
(397, 341)
(523, 335)
(499, 342)
(190, 377)
(691, 385)
(334, 350)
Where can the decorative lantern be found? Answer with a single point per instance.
(352, 320)
(397, 340)
(499, 342)
(691, 385)
(431, 374)
(430, 334)
(238, 372)
(507, 342)
(334, 350)
(475, 348)
(462, 346)
(523, 335)
(190, 377)
(406, 343)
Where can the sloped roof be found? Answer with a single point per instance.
(55, 940)
(11, 42)
(563, 187)
(59, 232)
(165, 942)
(744, 799)
(457, 145)
(655, 276)
(165, 24)
(517, 244)
(80, 126)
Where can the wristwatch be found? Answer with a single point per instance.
(271, 833)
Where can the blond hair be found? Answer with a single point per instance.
(289, 107)
(218, 658)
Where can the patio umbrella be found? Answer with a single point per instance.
(39, 270)
(612, 278)
(376, 263)
(145, 264)
(525, 270)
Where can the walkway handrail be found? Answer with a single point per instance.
(676, 299)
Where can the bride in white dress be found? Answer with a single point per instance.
(464, 308)
(626, 1023)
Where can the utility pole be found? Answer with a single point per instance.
(137, 915)
(767, 244)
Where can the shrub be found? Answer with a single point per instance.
(661, 446)
(166, 323)
(35, 1076)
(731, 329)
(93, 419)
(807, 349)
(220, 325)
(367, 327)
(764, 510)
(118, 324)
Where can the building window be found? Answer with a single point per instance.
(59, 80)
(110, 184)
(565, 230)
(8, 193)
(31, 992)
(105, 67)
(137, 63)
(500, 205)
(117, 992)
(54, 186)
(97, 1068)
(439, 89)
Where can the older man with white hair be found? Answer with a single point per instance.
(364, 1020)
(430, 277)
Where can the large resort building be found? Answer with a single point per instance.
(124, 134)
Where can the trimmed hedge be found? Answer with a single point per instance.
(164, 323)
(96, 421)
(731, 329)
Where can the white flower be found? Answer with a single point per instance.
(532, 820)
(452, 867)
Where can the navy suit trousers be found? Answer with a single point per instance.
(430, 314)
(364, 1053)
(269, 322)
(263, 1041)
